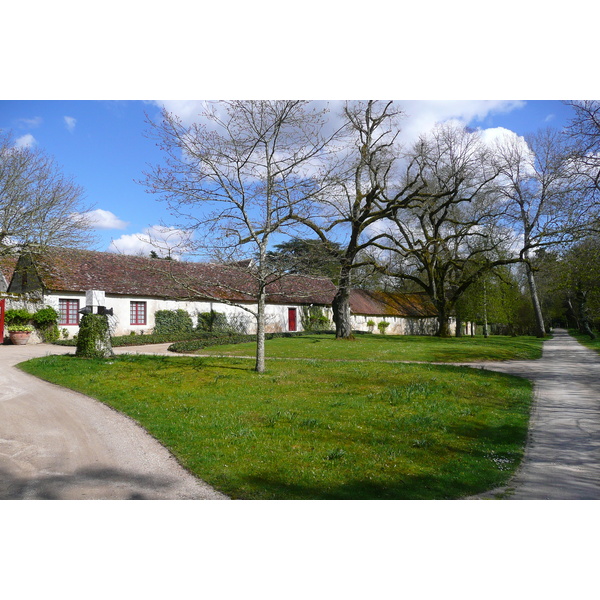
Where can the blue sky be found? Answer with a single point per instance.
(102, 145)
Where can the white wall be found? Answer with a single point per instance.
(398, 325)
(276, 315)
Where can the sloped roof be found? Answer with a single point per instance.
(7, 267)
(68, 270)
(80, 270)
(364, 302)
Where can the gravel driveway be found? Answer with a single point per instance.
(58, 444)
(55, 443)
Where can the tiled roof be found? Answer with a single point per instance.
(80, 270)
(365, 302)
(7, 267)
(62, 270)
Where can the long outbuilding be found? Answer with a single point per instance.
(135, 288)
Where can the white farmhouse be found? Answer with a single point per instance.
(135, 288)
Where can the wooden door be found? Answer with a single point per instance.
(292, 319)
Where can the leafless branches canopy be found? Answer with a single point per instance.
(39, 205)
(238, 175)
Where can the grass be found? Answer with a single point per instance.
(399, 348)
(316, 429)
(585, 340)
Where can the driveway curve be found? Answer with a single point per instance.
(59, 444)
(562, 455)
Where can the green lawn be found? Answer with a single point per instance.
(585, 339)
(399, 348)
(316, 429)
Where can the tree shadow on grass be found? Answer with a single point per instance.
(90, 484)
(409, 487)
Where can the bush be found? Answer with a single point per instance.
(17, 316)
(44, 317)
(212, 321)
(46, 322)
(313, 318)
(382, 327)
(220, 339)
(173, 321)
(93, 340)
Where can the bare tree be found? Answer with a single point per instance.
(584, 133)
(39, 205)
(234, 179)
(447, 237)
(547, 201)
(362, 189)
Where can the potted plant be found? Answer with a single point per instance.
(19, 334)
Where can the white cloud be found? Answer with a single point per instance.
(25, 141)
(500, 134)
(422, 115)
(162, 240)
(70, 123)
(104, 219)
(30, 123)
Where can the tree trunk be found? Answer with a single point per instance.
(486, 332)
(341, 314)
(443, 320)
(537, 307)
(459, 325)
(583, 315)
(341, 307)
(260, 333)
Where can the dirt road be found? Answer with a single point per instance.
(58, 444)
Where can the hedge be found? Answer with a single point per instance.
(140, 340)
(220, 339)
(173, 321)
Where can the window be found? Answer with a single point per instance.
(68, 311)
(137, 313)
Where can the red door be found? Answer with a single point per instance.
(2, 305)
(292, 319)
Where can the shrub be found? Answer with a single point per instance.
(173, 321)
(17, 316)
(220, 339)
(93, 340)
(382, 326)
(44, 317)
(371, 325)
(313, 318)
(45, 321)
(212, 321)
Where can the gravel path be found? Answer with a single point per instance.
(58, 444)
(562, 456)
(55, 443)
